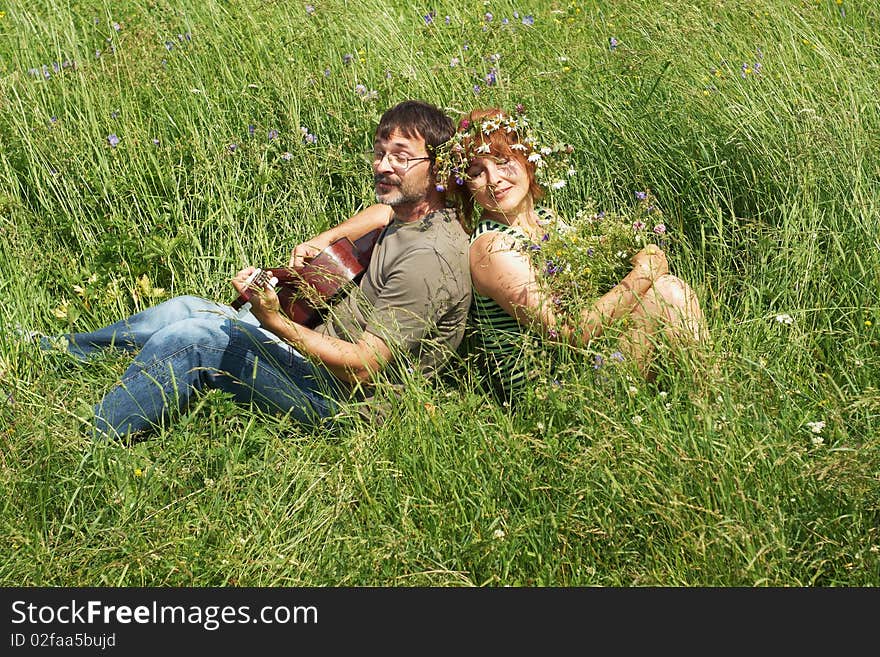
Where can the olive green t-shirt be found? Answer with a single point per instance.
(414, 295)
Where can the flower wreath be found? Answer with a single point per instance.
(551, 161)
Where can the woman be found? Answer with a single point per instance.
(495, 161)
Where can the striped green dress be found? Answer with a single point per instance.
(504, 348)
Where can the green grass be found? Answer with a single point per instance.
(766, 176)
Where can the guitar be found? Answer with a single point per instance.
(304, 293)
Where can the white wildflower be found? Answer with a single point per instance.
(785, 318)
(816, 427)
(498, 534)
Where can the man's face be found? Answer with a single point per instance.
(404, 177)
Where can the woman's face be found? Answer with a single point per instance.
(499, 185)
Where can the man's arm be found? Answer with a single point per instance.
(353, 362)
(377, 215)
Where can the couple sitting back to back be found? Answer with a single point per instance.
(409, 309)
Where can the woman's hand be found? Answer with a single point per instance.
(650, 262)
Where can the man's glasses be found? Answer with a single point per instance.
(395, 161)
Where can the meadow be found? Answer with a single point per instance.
(149, 149)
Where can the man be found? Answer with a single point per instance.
(408, 310)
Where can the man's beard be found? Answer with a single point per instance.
(400, 193)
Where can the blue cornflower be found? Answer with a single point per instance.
(113, 140)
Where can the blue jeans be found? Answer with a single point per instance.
(188, 344)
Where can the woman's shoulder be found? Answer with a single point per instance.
(492, 226)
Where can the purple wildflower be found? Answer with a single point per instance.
(553, 333)
(492, 77)
(360, 90)
(641, 196)
(116, 26)
(310, 9)
(546, 237)
(477, 89)
(488, 16)
(520, 108)
(659, 229)
(528, 20)
(233, 148)
(459, 181)
(273, 134)
(638, 225)
(440, 188)
(598, 361)
(252, 129)
(618, 356)
(113, 140)
(612, 43)
(448, 20)
(155, 142)
(347, 58)
(114, 114)
(429, 17)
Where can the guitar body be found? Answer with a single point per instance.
(304, 293)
